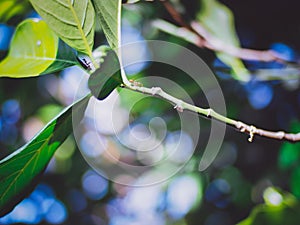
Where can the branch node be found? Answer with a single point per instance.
(280, 134)
(252, 132)
(209, 111)
(241, 126)
(179, 106)
(155, 90)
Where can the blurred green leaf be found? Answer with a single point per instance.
(48, 112)
(219, 22)
(295, 182)
(106, 78)
(295, 126)
(240, 187)
(286, 212)
(72, 21)
(32, 50)
(109, 17)
(20, 170)
(10, 8)
(289, 155)
(66, 150)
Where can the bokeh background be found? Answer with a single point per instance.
(71, 192)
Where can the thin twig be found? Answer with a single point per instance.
(175, 15)
(180, 106)
(206, 40)
(289, 72)
(217, 45)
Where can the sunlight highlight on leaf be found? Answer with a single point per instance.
(32, 50)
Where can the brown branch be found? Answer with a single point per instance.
(175, 15)
(206, 40)
(217, 45)
(279, 135)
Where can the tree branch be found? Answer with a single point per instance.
(206, 40)
(195, 33)
(217, 45)
(180, 106)
(290, 72)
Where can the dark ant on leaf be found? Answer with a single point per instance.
(84, 63)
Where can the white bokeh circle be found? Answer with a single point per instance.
(139, 142)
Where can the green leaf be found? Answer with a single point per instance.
(109, 17)
(10, 8)
(32, 50)
(106, 78)
(20, 170)
(72, 21)
(218, 20)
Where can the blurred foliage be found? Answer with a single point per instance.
(278, 209)
(219, 22)
(289, 161)
(12, 8)
(236, 189)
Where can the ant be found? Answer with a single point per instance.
(84, 63)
